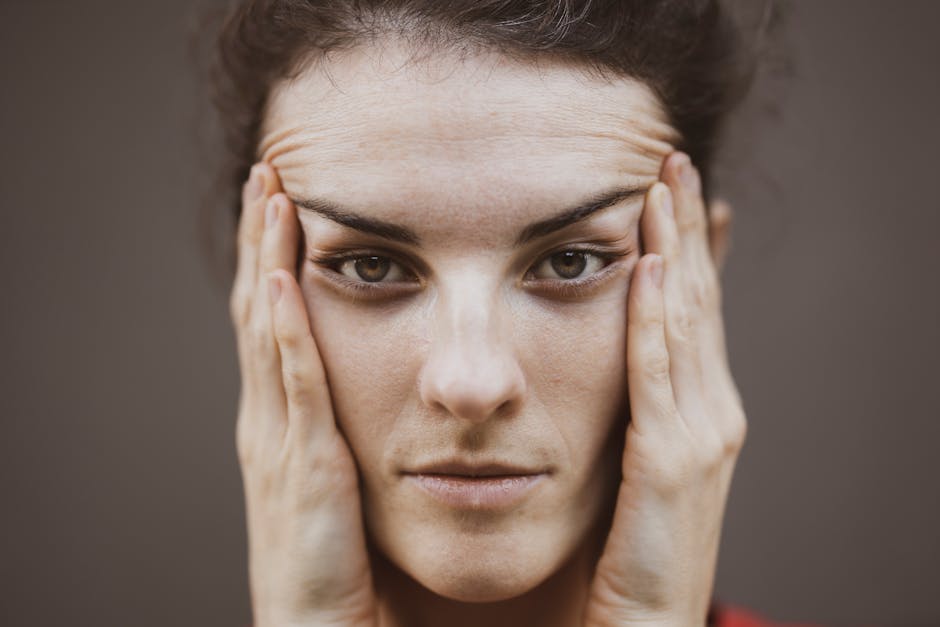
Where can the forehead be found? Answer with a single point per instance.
(375, 130)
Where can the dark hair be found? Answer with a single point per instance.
(691, 53)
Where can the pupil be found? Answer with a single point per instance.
(372, 269)
(569, 264)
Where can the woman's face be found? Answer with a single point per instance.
(463, 314)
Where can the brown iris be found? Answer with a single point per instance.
(372, 269)
(568, 264)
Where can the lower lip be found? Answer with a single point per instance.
(481, 493)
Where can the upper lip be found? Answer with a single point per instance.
(474, 469)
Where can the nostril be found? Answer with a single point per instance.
(505, 410)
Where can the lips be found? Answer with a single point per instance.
(476, 486)
(485, 469)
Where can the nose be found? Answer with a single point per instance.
(471, 371)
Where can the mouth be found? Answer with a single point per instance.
(489, 486)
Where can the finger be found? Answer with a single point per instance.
(686, 186)
(309, 408)
(281, 233)
(262, 182)
(719, 232)
(661, 233)
(700, 273)
(652, 401)
(278, 247)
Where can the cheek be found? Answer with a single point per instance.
(364, 352)
(580, 374)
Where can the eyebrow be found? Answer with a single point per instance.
(396, 232)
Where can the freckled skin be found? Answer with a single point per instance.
(475, 363)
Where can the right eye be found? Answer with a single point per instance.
(371, 269)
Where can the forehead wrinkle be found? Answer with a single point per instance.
(416, 120)
(389, 95)
(307, 157)
(445, 152)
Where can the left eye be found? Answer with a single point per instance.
(568, 265)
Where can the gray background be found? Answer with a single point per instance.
(122, 501)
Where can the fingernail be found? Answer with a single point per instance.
(656, 271)
(255, 184)
(666, 202)
(274, 289)
(688, 175)
(270, 214)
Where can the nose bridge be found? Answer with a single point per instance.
(471, 370)
(468, 315)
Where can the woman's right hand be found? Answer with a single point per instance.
(308, 563)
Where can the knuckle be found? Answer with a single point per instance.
(669, 464)
(296, 379)
(238, 306)
(705, 292)
(257, 333)
(736, 436)
(686, 330)
(247, 237)
(683, 328)
(676, 473)
(245, 445)
(269, 477)
(247, 456)
(322, 473)
(260, 337)
(654, 366)
(698, 295)
(710, 451)
(287, 337)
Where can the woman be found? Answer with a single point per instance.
(484, 377)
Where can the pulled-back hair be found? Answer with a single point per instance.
(691, 53)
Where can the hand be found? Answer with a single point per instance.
(687, 425)
(308, 563)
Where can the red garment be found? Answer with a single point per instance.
(722, 615)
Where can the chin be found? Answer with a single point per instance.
(482, 566)
(484, 579)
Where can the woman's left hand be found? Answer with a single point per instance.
(687, 426)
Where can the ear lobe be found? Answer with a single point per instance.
(720, 217)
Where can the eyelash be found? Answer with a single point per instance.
(562, 288)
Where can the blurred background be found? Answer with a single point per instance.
(121, 493)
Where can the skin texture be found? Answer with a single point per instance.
(472, 350)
